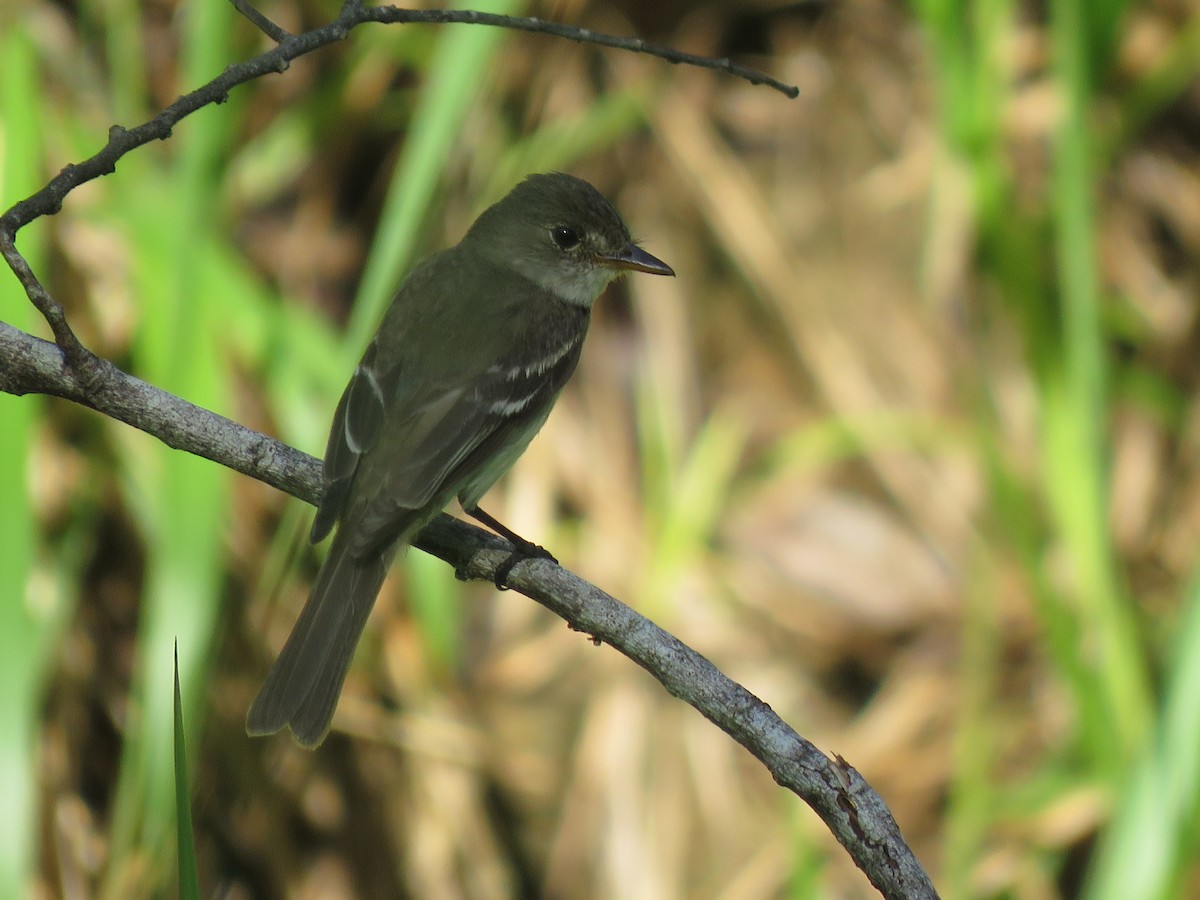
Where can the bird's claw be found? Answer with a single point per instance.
(519, 554)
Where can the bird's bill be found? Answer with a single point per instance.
(636, 259)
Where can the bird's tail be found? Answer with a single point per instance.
(303, 686)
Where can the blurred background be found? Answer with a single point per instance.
(910, 448)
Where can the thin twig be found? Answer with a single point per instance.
(275, 32)
(583, 36)
(76, 354)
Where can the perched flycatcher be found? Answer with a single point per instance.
(469, 359)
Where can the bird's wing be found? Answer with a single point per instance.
(458, 436)
(405, 440)
(356, 426)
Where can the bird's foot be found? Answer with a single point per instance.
(521, 552)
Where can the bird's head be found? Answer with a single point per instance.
(560, 232)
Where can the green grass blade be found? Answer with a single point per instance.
(189, 877)
(1075, 410)
(452, 85)
(1151, 839)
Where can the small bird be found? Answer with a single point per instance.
(462, 373)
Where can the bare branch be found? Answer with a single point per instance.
(851, 809)
(50, 308)
(848, 805)
(29, 365)
(261, 22)
(584, 36)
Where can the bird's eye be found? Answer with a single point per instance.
(565, 237)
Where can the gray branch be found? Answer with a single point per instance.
(851, 809)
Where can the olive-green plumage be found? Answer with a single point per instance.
(467, 363)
